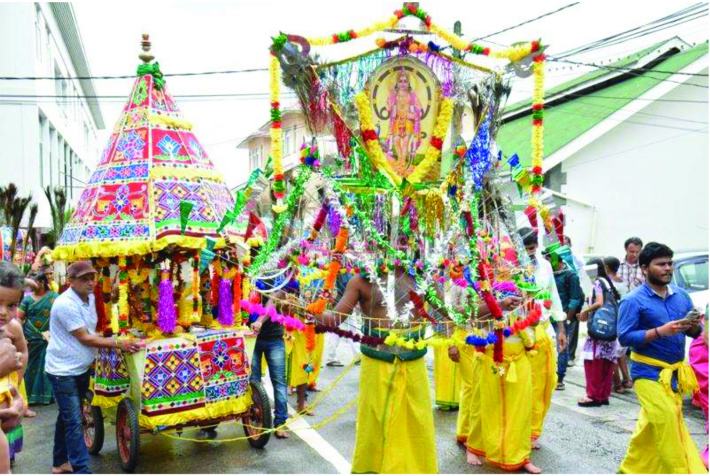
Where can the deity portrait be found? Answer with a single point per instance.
(405, 113)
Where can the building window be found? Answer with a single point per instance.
(60, 88)
(39, 28)
(295, 146)
(287, 142)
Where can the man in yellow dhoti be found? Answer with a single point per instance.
(394, 432)
(543, 363)
(447, 380)
(465, 356)
(654, 320)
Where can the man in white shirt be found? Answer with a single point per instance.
(544, 362)
(70, 353)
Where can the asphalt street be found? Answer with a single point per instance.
(575, 440)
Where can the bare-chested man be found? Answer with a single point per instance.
(395, 426)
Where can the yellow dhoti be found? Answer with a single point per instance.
(466, 363)
(447, 379)
(317, 359)
(504, 435)
(297, 357)
(471, 428)
(544, 377)
(395, 426)
(661, 442)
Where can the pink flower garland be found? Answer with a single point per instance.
(290, 323)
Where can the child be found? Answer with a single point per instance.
(11, 292)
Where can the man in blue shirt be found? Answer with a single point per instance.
(654, 320)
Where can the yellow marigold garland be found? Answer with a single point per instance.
(123, 308)
(319, 305)
(276, 134)
(377, 155)
(367, 123)
(434, 148)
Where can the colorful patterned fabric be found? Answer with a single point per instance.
(224, 365)
(172, 379)
(151, 163)
(111, 377)
(35, 322)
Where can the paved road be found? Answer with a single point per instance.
(575, 440)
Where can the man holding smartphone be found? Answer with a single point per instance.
(654, 320)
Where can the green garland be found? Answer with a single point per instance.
(270, 246)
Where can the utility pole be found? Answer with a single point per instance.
(458, 108)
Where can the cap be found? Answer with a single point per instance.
(79, 269)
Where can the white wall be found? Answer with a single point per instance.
(647, 180)
(65, 128)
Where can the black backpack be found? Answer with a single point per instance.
(602, 323)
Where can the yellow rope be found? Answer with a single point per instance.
(288, 422)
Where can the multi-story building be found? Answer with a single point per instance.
(48, 126)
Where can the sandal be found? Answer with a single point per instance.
(560, 386)
(620, 389)
(589, 403)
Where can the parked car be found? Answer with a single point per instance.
(690, 272)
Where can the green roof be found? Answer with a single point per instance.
(567, 121)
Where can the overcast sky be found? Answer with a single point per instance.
(201, 36)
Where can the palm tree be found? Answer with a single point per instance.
(34, 208)
(57, 199)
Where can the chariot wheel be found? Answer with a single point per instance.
(128, 434)
(92, 424)
(257, 419)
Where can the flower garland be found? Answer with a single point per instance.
(326, 295)
(372, 142)
(377, 155)
(370, 341)
(106, 298)
(276, 134)
(436, 142)
(123, 308)
(290, 323)
(538, 109)
(195, 283)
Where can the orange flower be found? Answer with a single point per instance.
(341, 240)
(310, 337)
(333, 269)
(317, 308)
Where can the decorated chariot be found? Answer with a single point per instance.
(150, 219)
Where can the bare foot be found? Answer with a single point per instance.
(63, 469)
(305, 410)
(30, 414)
(473, 459)
(531, 468)
(282, 434)
(535, 445)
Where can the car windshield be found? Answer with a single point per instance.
(694, 275)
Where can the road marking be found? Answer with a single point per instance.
(312, 438)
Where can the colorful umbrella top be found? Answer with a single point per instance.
(153, 179)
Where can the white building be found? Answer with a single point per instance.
(295, 133)
(626, 150)
(48, 126)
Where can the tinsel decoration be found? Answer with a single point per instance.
(167, 316)
(225, 315)
(123, 308)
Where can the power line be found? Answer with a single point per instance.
(203, 73)
(526, 22)
(623, 68)
(607, 41)
(581, 48)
